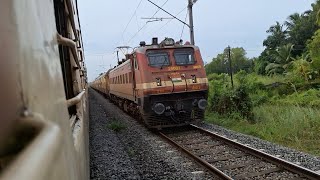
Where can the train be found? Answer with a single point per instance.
(44, 105)
(163, 84)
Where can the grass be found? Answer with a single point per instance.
(116, 126)
(293, 126)
(131, 152)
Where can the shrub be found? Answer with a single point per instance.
(116, 126)
(230, 102)
(305, 98)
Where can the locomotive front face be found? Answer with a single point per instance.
(172, 85)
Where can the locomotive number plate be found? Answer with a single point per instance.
(174, 68)
(197, 67)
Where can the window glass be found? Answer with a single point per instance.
(184, 57)
(135, 64)
(130, 77)
(127, 79)
(158, 59)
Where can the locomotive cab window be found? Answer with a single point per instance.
(184, 57)
(158, 59)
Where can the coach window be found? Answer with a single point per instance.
(135, 63)
(127, 79)
(130, 77)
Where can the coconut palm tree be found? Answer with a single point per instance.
(293, 19)
(282, 60)
(277, 36)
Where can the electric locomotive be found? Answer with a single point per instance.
(163, 83)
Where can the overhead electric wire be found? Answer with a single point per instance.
(169, 13)
(135, 11)
(150, 33)
(159, 8)
(171, 19)
(184, 25)
(146, 23)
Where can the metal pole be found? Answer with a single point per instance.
(191, 22)
(118, 55)
(230, 65)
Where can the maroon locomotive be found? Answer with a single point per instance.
(163, 83)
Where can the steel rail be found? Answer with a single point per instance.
(303, 172)
(267, 157)
(199, 160)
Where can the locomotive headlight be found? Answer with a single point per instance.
(158, 80)
(159, 108)
(202, 104)
(194, 79)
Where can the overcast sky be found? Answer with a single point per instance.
(239, 23)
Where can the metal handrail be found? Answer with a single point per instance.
(71, 16)
(75, 100)
(68, 42)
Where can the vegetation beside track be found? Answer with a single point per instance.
(292, 126)
(275, 96)
(116, 125)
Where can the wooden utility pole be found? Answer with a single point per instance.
(230, 65)
(190, 4)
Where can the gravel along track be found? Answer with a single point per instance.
(134, 152)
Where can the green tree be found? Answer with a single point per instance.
(282, 60)
(277, 37)
(220, 64)
(314, 50)
(300, 29)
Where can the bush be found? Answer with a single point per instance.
(305, 98)
(230, 102)
(116, 126)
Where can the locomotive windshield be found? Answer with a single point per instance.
(184, 57)
(158, 59)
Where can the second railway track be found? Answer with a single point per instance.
(230, 159)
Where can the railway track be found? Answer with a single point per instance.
(230, 159)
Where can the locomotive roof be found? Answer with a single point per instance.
(143, 49)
